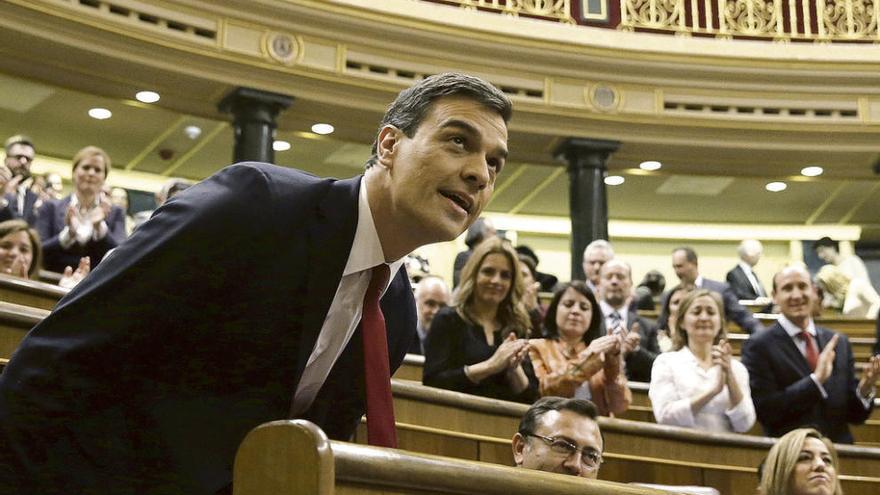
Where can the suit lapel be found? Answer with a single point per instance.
(789, 349)
(330, 236)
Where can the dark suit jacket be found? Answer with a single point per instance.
(739, 283)
(639, 363)
(786, 397)
(148, 374)
(733, 310)
(11, 211)
(50, 223)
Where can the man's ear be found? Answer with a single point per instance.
(518, 444)
(386, 144)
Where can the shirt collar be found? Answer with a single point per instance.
(698, 283)
(366, 250)
(607, 309)
(793, 330)
(745, 267)
(74, 201)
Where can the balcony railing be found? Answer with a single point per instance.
(820, 20)
(559, 10)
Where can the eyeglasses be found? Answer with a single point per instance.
(590, 457)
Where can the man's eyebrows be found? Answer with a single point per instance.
(471, 129)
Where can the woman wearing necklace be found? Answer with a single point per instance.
(575, 360)
(700, 385)
(478, 346)
(83, 223)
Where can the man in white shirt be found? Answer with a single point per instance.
(742, 278)
(804, 375)
(240, 302)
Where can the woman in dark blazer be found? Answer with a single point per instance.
(478, 345)
(84, 223)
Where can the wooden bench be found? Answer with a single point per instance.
(30, 292)
(438, 409)
(15, 322)
(296, 458)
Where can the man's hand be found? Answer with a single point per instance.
(825, 364)
(8, 183)
(631, 340)
(869, 376)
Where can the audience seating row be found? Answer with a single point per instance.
(295, 457)
(30, 292)
(455, 424)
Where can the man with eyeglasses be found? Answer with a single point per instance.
(16, 198)
(560, 435)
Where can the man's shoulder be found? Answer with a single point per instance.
(767, 336)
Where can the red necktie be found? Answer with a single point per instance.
(377, 374)
(812, 353)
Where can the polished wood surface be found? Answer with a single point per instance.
(442, 409)
(15, 322)
(30, 292)
(295, 457)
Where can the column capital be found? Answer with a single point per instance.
(253, 115)
(254, 103)
(570, 149)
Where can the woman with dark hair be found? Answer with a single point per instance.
(83, 223)
(666, 329)
(700, 385)
(478, 346)
(574, 360)
(801, 462)
(530, 301)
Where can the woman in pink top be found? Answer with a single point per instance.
(575, 360)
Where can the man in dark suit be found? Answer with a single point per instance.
(432, 295)
(16, 198)
(640, 343)
(742, 278)
(684, 262)
(803, 375)
(239, 303)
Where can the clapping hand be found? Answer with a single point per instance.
(510, 353)
(825, 363)
(869, 376)
(72, 277)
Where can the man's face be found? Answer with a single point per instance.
(615, 284)
(794, 295)
(534, 453)
(593, 261)
(443, 176)
(685, 270)
(19, 159)
(431, 296)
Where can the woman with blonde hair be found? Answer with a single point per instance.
(700, 385)
(853, 297)
(84, 223)
(478, 345)
(801, 462)
(20, 252)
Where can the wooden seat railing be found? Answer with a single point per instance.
(295, 457)
(453, 424)
(15, 321)
(30, 292)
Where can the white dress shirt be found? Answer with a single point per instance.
(677, 377)
(345, 310)
(753, 279)
(607, 311)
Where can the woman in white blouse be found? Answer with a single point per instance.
(700, 385)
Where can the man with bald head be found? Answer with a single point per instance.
(640, 345)
(432, 295)
(742, 278)
(596, 254)
(804, 375)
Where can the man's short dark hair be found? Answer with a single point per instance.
(544, 405)
(476, 233)
(689, 253)
(17, 139)
(411, 106)
(826, 242)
